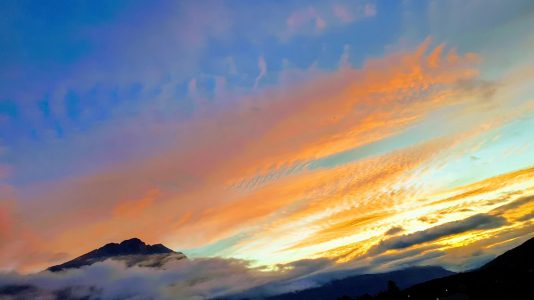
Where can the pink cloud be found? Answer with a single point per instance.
(320, 23)
(348, 14)
(192, 87)
(343, 13)
(301, 18)
(369, 10)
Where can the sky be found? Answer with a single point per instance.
(347, 133)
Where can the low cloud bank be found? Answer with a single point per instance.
(183, 279)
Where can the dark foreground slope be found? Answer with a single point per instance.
(509, 276)
(133, 251)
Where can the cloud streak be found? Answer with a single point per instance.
(273, 152)
(262, 66)
(290, 142)
(280, 128)
(476, 222)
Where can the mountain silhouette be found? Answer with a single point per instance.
(517, 259)
(509, 276)
(367, 283)
(132, 251)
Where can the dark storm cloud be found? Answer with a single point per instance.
(476, 222)
(394, 230)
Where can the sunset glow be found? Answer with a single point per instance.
(370, 134)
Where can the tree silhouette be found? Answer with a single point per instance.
(393, 288)
(392, 292)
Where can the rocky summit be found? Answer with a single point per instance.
(133, 251)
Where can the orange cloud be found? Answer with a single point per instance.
(134, 208)
(5, 220)
(193, 182)
(506, 201)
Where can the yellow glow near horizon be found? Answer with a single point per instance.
(415, 215)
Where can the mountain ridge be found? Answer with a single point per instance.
(367, 283)
(508, 276)
(132, 250)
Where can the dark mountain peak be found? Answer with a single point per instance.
(130, 247)
(160, 248)
(133, 246)
(133, 241)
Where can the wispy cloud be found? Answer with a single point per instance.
(302, 17)
(369, 10)
(343, 13)
(237, 130)
(351, 12)
(262, 66)
(286, 128)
